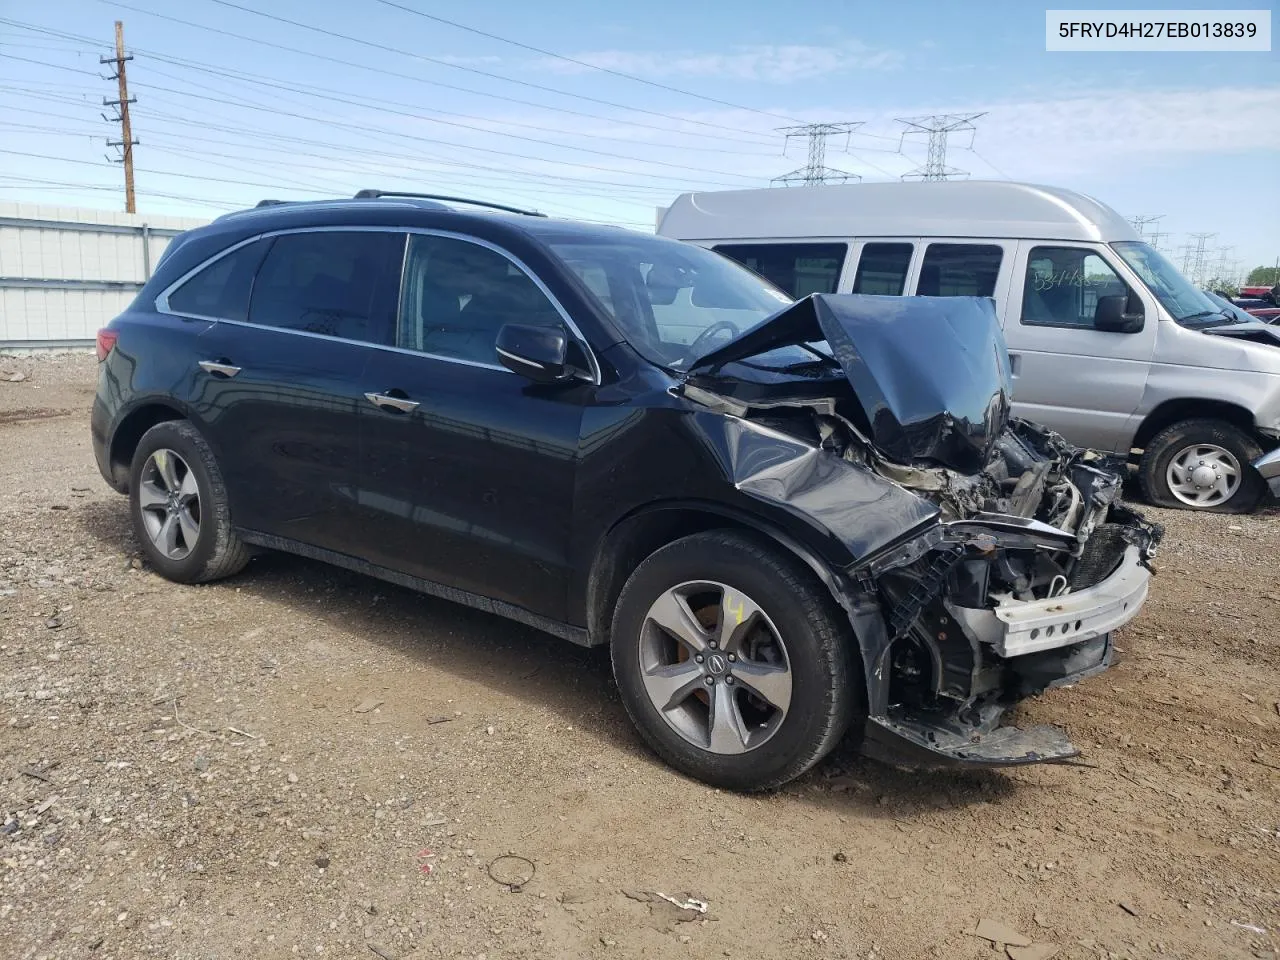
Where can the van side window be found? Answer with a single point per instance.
(959, 270)
(798, 268)
(882, 269)
(333, 282)
(221, 289)
(1063, 285)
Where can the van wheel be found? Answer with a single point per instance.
(1202, 465)
(734, 663)
(179, 506)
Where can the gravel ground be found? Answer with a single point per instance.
(304, 761)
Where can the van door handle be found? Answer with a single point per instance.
(218, 369)
(388, 402)
(1014, 362)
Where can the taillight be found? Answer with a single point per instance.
(106, 340)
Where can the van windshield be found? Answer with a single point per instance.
(673, 301)
(1185, 302)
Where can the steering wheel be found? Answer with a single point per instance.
(695, 348)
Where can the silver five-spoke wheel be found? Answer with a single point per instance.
(1203, 475)
(715, 667)
(169, 499)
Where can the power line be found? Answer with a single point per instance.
(815, 171)
(389, 73)
(937, 127)
(580, 63)
(385, 48)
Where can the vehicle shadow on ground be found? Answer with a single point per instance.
(537, 668)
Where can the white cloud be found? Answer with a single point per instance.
(769, 63)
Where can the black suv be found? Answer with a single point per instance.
(787, 520)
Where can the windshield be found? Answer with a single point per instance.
(1174, 291)
(673, 301)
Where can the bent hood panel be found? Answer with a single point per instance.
(931, 373)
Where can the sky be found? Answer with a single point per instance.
(238, 100)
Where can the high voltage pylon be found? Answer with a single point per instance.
(1197, 257)
(126, 143)
(1140, 222)
(938, 127)
(1155, 238)
(816, 171)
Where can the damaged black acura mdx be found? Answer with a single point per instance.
(788, 521)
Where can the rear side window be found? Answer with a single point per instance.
(336, 283)
(882, 269)
(222, 288)
(959, 270)
(798, 268)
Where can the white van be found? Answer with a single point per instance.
(1110, 345)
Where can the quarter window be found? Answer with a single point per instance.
(1063, 285)
(457, 295)
(336, 283)
(882, 269)
(222, 288)
(798, 268)
(959, 270)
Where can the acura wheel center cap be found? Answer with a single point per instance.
(717, 664)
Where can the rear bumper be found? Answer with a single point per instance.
(1016, 628)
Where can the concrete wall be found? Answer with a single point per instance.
(66, 271)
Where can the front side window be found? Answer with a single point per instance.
(1184, 301)
(458, 295)
(1063, 286)
(798, 268)
(336, 283)
(959, 270)
(882, 269)
(222, 288)
(672, 301)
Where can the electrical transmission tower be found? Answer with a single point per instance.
(1198, 256)
(938, 128)
(1155, 237)
(126, 143)
(1140, 222)
(816, 171)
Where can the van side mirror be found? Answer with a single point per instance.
(539, 353)
(1113, 316)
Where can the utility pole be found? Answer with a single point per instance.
(126, 142)
(937, 127)
(816, 171)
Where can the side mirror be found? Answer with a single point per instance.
(538, 353)
(1111, 315)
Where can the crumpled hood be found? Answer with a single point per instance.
(931, 373)
(1255, 331)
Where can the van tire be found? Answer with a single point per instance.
(1175, 440)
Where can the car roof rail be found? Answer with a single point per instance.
(375, 194)
(270, 203)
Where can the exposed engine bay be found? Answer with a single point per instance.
(1024, 561)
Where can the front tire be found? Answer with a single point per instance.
(1204, 465)
(179, 506)
(734, 662)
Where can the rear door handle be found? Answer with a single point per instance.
(218, 369)
(1015, 361)
(388, 402)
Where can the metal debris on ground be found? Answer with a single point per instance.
(1251, 927)
(509, 866)
(691, 904)
(1127, 909)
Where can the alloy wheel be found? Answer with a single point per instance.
(715, 667)
(169, 499)
(1203, 475)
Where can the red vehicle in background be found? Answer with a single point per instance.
(1261, 302)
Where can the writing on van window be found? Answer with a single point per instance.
(1046, 278)
(1063, 286)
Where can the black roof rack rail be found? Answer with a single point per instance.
(270, 203)
(374, 194)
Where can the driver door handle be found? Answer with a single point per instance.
(218, 369)
(388, 402)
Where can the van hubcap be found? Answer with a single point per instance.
(1203, 475)
(715, 667)
(169, 500)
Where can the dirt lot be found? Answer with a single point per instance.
(303, 761)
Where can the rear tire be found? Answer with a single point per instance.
(1204, 465)
(791, 644)
(179, 506)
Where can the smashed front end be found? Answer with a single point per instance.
(1025, 561)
